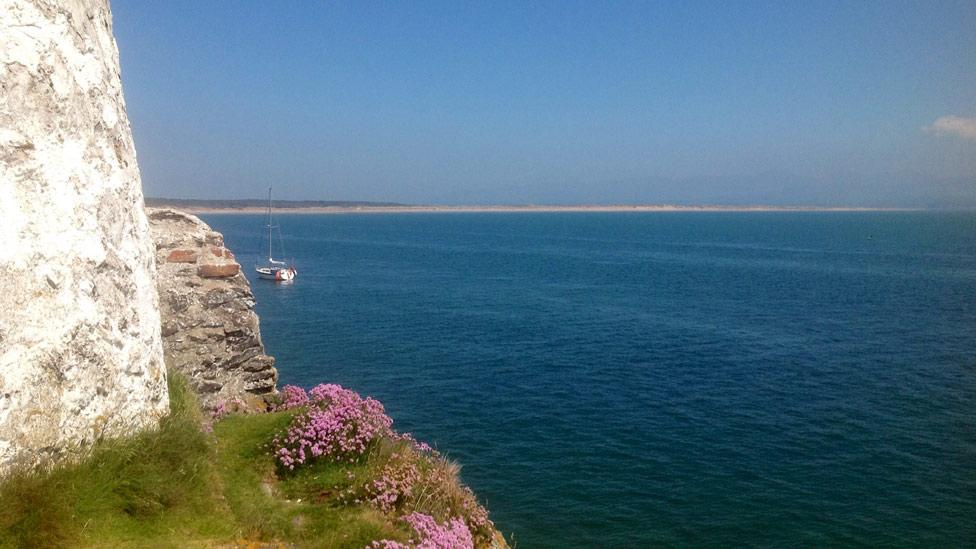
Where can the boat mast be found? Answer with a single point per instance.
(270, 226)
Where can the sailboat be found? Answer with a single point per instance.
(280, 271)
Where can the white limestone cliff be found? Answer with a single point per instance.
(80, 349)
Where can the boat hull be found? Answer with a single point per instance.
(279, 274)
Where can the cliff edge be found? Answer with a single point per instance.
(210, 331)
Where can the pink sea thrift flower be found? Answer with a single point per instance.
(292, 397)
(419, 446)
(453, 534)
(226, 407)
(395, 485)
(387, 544)
(338, 425)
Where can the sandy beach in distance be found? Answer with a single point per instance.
(283, 209)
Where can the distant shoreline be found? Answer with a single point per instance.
(285, 209)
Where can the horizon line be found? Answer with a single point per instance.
(352, 206)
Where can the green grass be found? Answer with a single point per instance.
(177, 486)
(249, 475)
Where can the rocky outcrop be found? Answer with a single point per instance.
(80, 349)
(210, 330)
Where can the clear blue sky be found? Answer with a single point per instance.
(532, 102)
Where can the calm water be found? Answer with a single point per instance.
(624, 380)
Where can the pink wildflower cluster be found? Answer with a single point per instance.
(227, 407)
(419, 446)
(475, 513)
(337, 425)
(387, 544)
(394, 486)
(292, 397)
(453, 534)
(402, 486)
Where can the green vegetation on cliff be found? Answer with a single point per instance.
(180, 485)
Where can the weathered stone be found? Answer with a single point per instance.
(208, 387)
(236, 360)
(258, 364)
(197, 336)
(260, 386)
(178, 301)
(182, 256)
(170, 328)
(219, 344)
(217, 297)
(218, 271)
(80, 356)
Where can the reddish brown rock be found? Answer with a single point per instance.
(182, 256)
(218, 271)
(222, 252)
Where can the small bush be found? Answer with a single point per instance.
(338, 425)
(393, 488)
(292, 397)
(451, 534)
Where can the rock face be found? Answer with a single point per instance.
(80, 349)
(210, 330)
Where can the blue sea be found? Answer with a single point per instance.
(656, 379)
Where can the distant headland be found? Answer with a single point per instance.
(248, 206)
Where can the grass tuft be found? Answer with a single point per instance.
(118, 488)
